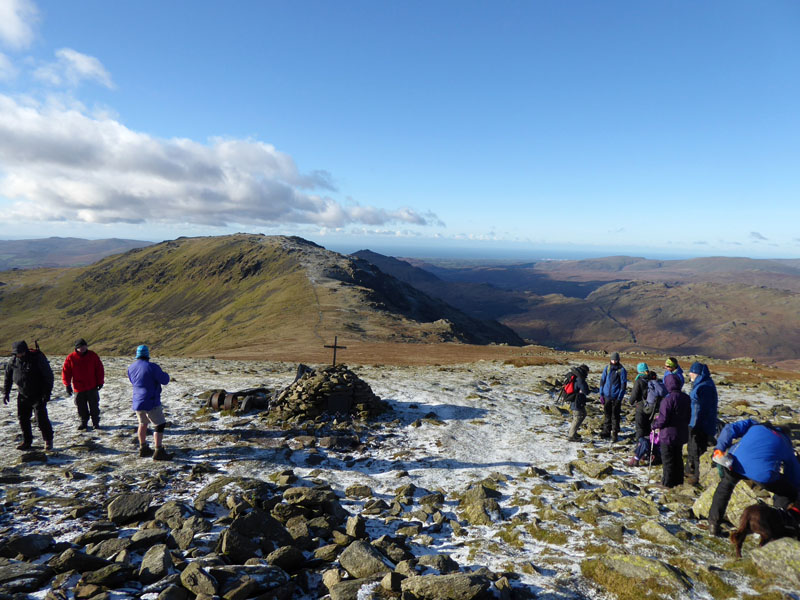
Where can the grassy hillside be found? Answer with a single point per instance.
(203, 296)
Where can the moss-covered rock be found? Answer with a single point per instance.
(780, 559)
(636, 504)
(631, 577)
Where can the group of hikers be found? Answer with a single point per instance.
(83, 376)
(666, 419)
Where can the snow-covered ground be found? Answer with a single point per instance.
(449, 426)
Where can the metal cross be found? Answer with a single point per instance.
(335, 347)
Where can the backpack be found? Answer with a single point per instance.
(567, 388)
(656, 390)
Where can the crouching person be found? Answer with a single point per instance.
(147, 379)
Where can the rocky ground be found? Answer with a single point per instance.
(464, 488)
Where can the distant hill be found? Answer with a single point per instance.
(60, 252)
(201, 296)
(720, 307)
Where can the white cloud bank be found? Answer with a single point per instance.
(17, 18)
(59, 163)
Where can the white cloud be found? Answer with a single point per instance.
(7, 69)
(17, 18)
(62, 164)
(71, 67)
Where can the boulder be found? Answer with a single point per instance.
(362, 560)
(22, 577)
(195, 579)
(128, 507)
(619, 573)
(156, 564)
(780, 559)
(455, 586)
(75, 560)
(595, 470)
(29, 546)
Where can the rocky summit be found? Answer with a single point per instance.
(462, 486)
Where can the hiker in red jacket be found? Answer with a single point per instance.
(83, 373)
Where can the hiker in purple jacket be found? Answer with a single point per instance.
(673, 425)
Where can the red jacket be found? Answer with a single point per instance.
(83, 371)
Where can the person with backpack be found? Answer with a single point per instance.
(642, 418)
(764, 455)
(613, 384)
(30, 371)
(672, 424)
(672, 367)
(703, 425)
(575, 391)
(83, 372)
(147, 379)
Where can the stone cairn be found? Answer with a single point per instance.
(335, 391)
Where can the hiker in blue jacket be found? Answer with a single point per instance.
(613, 383)
(758, 456)
(703, 425)
(672, 367)
(147, 379)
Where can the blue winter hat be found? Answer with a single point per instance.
(142, 351)
(696, 368)
(642, 367)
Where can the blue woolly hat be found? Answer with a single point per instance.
(142, 351)
(642, 367)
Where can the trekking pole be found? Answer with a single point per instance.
(650, 460)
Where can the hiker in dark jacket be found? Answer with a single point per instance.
(703, 424)
(613, 383)
(31, 373)
(642, 417)
(577, 401)
(673, 425)
(764, 455)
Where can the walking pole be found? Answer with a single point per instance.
(650, 461)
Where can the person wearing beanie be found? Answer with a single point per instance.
(671, 367)
(83, 373)
(703, 424)
(30, 371)
(673, 425)
(147, 379)
(641, 419)
(613, 384)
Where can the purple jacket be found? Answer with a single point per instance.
(675, 413)
(147, 379)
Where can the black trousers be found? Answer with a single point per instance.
(671, 464)
(612, 412)
(88, 404)
(25, 410)
(783, 489)
(698, 444)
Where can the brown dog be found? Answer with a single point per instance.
(768, 522)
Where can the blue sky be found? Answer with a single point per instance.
(517, 128)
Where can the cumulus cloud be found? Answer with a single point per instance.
(60, 163)
(71, 68)
(754, 235)
(17, 18)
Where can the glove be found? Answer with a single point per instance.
(602, 400)
(99, 387)
(717, 454)
(69, 390)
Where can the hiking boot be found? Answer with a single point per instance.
(81, 426)
(24, 446)
(96, 425)
(614, 437)
(605, 435)
(161, 454)
(574, 438)
(715, 529)
(145, 451)
(48, 444)
(692, 480)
